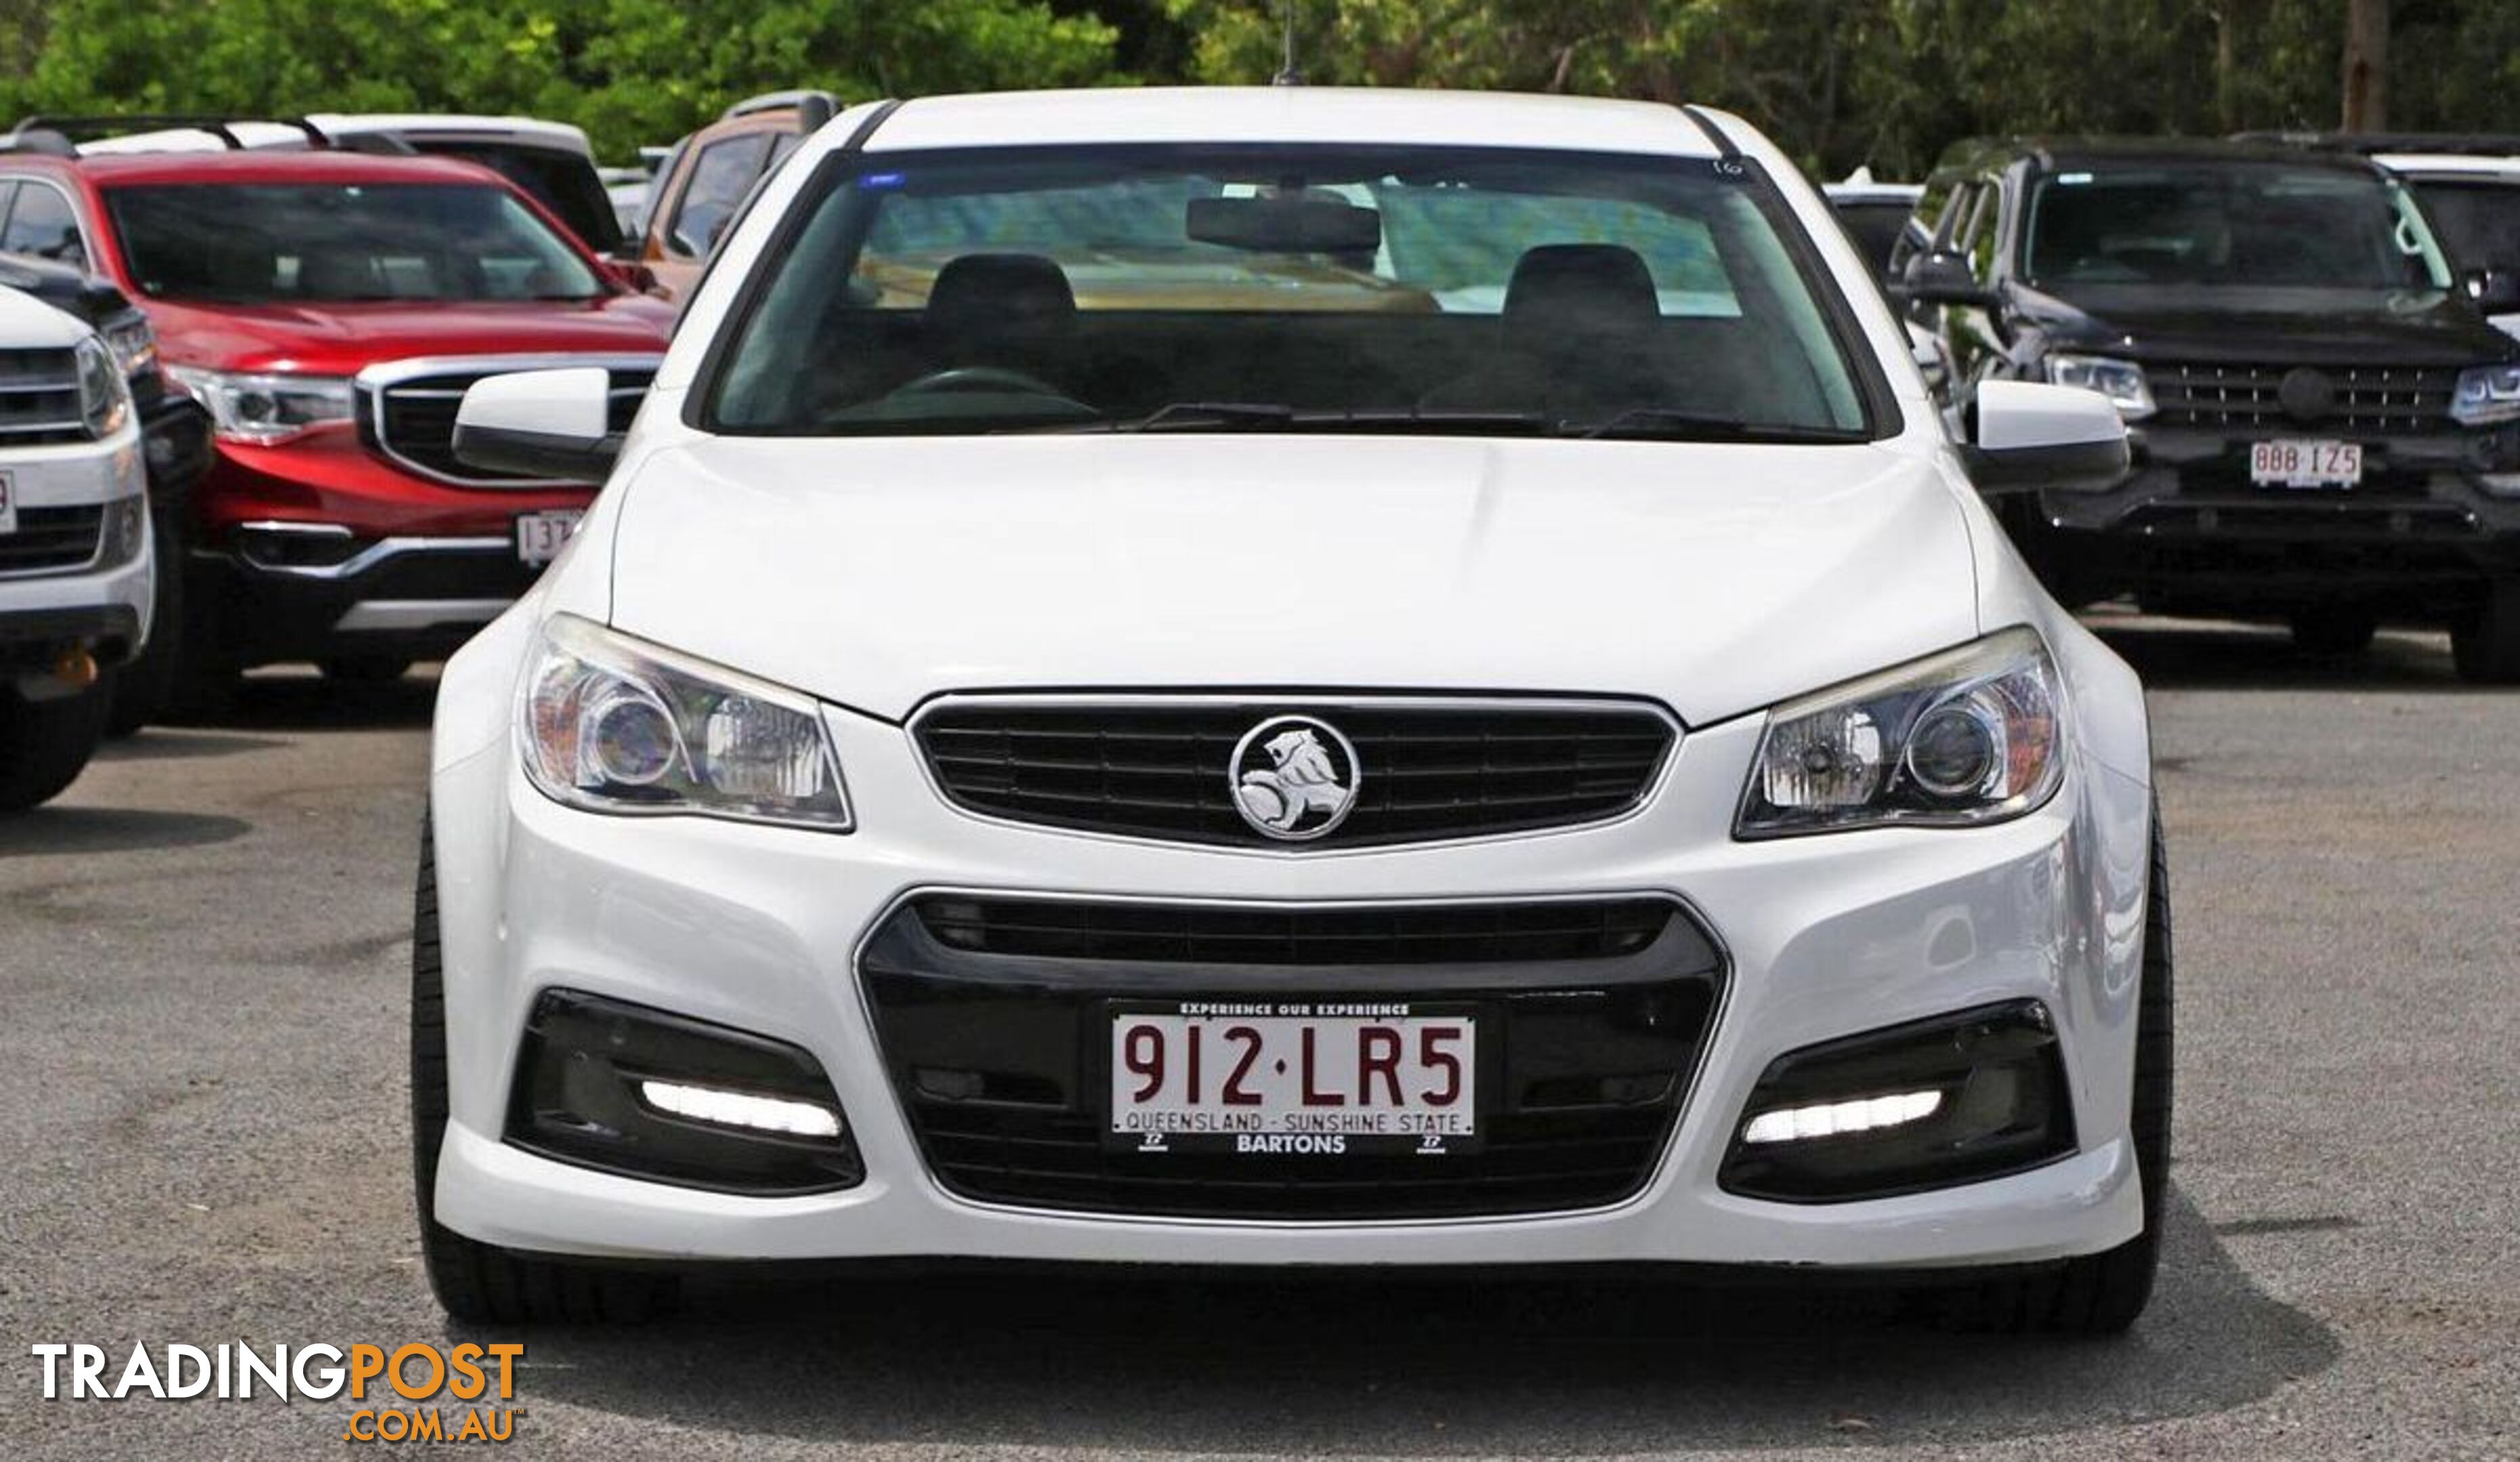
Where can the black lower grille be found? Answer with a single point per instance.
(412, 419)
(994, 1019)
(49, 540)
(1425, 772)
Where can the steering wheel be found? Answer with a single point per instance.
(981, 378)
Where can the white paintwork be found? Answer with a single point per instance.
(573, 402)
(1185, 560)
(2013, 415)
(1717, 579)
(1286, 113)
(72, 474)
(28, 323)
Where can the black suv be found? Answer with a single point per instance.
(2326, 428)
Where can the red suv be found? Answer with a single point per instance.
(329, 308)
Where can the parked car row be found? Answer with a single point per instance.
(2325, 421)
(314, 307)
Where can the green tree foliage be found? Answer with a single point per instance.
(1891, 82)
(631, 71)
(1839, 82)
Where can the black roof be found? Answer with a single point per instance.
(2056, 153)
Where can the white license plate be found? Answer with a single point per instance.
(540, 536)
(2305, 464)
(1294, 1078)
(8, 505)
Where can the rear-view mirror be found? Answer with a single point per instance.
(2026, 436)
(1285, 224)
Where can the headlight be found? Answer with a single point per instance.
(1968, 736)
(2120, 381)
(267, 409)
(104, 397)
(134, 345)
(615, 725)
(2487, 394)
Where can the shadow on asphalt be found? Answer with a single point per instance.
(168, 744)
(297, 699)
(55, 830)
(2181, 655)
(1519, 1367)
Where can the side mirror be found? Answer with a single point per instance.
(2497, 291)
(1942, 277)
(2029, 437)
(553, 425)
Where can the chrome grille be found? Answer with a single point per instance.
(2365, 399)
(39, 399)
(407, 409)
(1428, 770)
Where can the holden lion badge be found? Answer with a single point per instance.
(1294, 778)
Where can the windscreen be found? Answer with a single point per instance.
(2251, 225)
(343, 243)
(2479, 223)
(1386, 289)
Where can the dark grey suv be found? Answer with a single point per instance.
(2326, 428)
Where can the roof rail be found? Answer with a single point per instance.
(802, 99)
(220, 127)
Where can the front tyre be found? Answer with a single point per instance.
(145, 688)
(2485, 643)
(2102, 1294)
(480, 1283)
(44, 745)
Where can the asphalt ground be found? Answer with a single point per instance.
(203, 978)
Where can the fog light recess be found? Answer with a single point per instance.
(649, 1094)
(1953, 1099)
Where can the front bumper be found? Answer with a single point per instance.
(104, 604)
(2428, 522)
(411, 598)
(763, 930)
(322, 548)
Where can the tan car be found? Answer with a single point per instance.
(707, 176)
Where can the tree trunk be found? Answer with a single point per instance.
(2367, 65)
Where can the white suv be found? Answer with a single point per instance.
(1291, 677)
(75, 551)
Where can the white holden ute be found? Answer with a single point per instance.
(76, 565)
(1291, 678)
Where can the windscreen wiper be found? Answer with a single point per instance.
(1212, 416)
(1689, 426)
